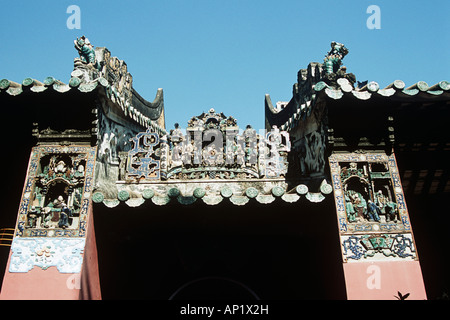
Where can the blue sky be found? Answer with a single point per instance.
(227, 54)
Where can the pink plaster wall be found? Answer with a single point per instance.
(38, 284)
(382, 280)
(90, 278)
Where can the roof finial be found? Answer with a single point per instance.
(85, 50)
(332, 65)
(333, 60)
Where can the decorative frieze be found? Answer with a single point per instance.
(378, 246)
(66, 254)
(212, 148)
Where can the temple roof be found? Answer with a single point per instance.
(96, 71)
(162, 166)
(293, 111)
(332, 112)
(140, 110)
(331, 81)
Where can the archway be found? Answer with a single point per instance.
(216, 288)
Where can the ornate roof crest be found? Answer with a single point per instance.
(212, 148)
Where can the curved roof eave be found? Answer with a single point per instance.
(145, 113)
(396, 91)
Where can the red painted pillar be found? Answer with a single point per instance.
(51, 257)
(382, 280)
(380, 259)
(51, 284)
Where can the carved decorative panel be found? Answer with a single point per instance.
(211, 148)
(57, 192)
(371, 210)
(66, 254)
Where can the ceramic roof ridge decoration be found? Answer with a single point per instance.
(211, 148)
(209, 193)
(95, 69)
(208, 161)
(331, 80)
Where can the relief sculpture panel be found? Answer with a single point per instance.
(57, 192)
(371, 211)
(212, 147)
